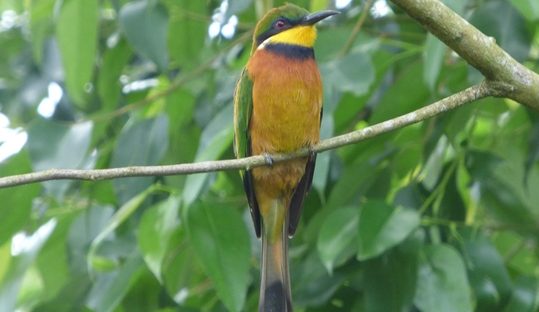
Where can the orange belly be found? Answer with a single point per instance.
(287, 100)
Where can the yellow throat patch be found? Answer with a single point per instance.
(300, 35)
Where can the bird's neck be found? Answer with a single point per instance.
(291, 51)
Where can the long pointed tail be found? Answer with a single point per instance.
(275, 295)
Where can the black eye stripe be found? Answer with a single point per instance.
(275, 30)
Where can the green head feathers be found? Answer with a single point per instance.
(289, 11)
(283, 18)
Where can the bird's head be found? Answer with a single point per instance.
(288, 24)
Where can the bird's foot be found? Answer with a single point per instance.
(268, 159)
(311, 153)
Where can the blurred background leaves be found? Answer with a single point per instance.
(439, 215)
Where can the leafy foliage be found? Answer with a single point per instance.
(439, 216)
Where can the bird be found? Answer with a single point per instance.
(278, 109)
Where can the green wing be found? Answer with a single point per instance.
(243, 107)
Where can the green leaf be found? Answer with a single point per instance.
(141, 142)
(487, 270)
(347, 191)
(52, 262)
(390, 282)
(24, 253)
(108, 83)
(442, 284)
(433, 168)
(58, 145)
(76, 32)
(215, 139)
(337, 237)
(40, 24)
(433, 56)
(382, 226)
(523, 261)
(156, 227)
(528, 8)
(145, 25)
(312, 285)
(5, 259)
(323, 160)
(352, 73)
(187, 34)
(83, 231)
(110, 288)
(525, 295)
(221, 242)
(500, 20)
(397, 99)
(116, 220)
(182, 270)
(16, 205)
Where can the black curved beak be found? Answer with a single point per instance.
(316, 17)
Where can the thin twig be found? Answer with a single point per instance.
(357, 27)
(466, 96)
(476, 48)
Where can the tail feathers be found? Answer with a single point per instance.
(275, 298)
(275, 295)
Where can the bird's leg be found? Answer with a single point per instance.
(268, 159)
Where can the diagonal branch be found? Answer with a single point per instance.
(476, 48)
(466, 96)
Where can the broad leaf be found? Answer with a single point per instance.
(215, 139)
(16, 206)
(24, 253)
(141, 142)
(528, 8)
(432, 57)
(186, 35)
(58, 145)
(119, 217)
(40, 19)
(221, 241)
(108, 83)
(145, 25)
(442, 284)
(390, 282)
(525, 295)
(382, 226)
(503, 22)
(337, 240)
(110, 288)
(487, 272)
(76, 31)
(156, 227)
(353, 73)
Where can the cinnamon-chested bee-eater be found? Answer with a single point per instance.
(278, 109)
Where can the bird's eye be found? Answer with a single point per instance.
(280, 24)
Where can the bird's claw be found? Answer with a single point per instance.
(268, 159)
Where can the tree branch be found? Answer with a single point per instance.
(466, 96)
(519, 83)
